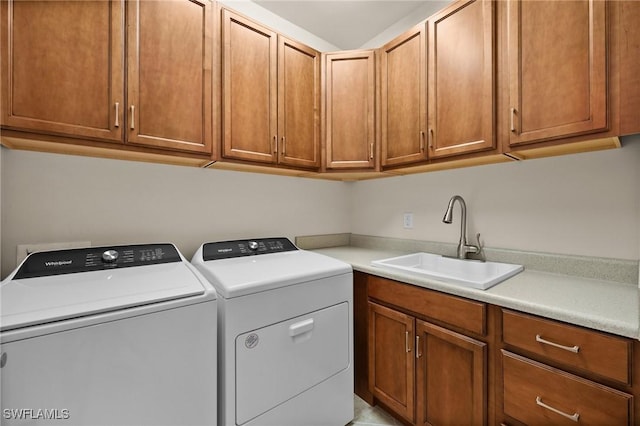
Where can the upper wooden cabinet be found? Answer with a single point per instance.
(271, 89)
(298, 104)
(62, 67)
(557, 58)
(461, 79)
(169, 74)
(629, 56)
(350, 110)
(63, 71)
(403, 98)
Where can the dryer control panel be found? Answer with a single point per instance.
(240, 248)
(57, 262)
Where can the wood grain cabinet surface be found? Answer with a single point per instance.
(403, 98)
(391, 359)
(64, 65)
(425, 373)
(557, 69)
(428, 364)
(461, 76)
(62, 68)
(169, 74)
(350, 110)
(538, 394)
(271, 87)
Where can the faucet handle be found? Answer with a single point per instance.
(480, 251)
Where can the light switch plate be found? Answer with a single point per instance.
(25, 249)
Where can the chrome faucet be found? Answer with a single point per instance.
(463, 248)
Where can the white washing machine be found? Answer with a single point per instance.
(120, 335)
(285, 333)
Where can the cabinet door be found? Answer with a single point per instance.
(249, 61)
(461, 79)
(169, 74)
(629, 42)
(298, 104)
(391, 359)
(403, 98)
(350, 93)
(451, 377)
(557, 69)
(62, 67)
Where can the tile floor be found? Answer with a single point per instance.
(366, 415)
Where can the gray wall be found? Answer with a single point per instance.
(57, 198)
(585, 204)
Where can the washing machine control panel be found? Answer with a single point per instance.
(240, 248)
(59, 262)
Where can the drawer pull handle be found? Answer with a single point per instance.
(406, 341)
(573, 417)
(418, 354)
(574, 349)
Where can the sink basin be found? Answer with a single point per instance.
(469, 273)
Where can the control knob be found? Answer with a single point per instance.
(253, 245)
(110, 256)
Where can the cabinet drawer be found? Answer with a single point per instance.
(575, 347)
(456, 311)
(537, 394)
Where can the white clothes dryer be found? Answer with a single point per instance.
(285, 333)
(120, 335)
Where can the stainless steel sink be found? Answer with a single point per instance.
(469, 273)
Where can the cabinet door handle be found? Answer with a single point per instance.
(573, 417)
(275, 144)
(284, 146)
(371, 151)
(431, 139)
(133, 117)
(406, 341)
(513, 123)
(117, 123)
(418, 354)
(422, 140)
(574, 349)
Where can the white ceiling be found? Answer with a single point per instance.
(345, 24)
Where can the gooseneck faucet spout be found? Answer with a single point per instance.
(463, 248)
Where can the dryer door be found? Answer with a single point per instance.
(280, 361)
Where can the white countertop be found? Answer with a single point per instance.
(601, 305)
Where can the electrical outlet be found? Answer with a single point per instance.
(25, 249)
(407, 221)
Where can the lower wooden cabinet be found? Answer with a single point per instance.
(391, 360)
(451, 377)
(425, 373)
(535, 393)
(435, 359)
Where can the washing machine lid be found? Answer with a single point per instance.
(271, 265)
(58, 285)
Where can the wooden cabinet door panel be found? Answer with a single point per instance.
(391, 360)
(298, 104)
(461, 79)
(249, 61)
(169, 74)
(557, 69)
(403, 98)
(350, 93)
(62, 67)
(451, 377)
